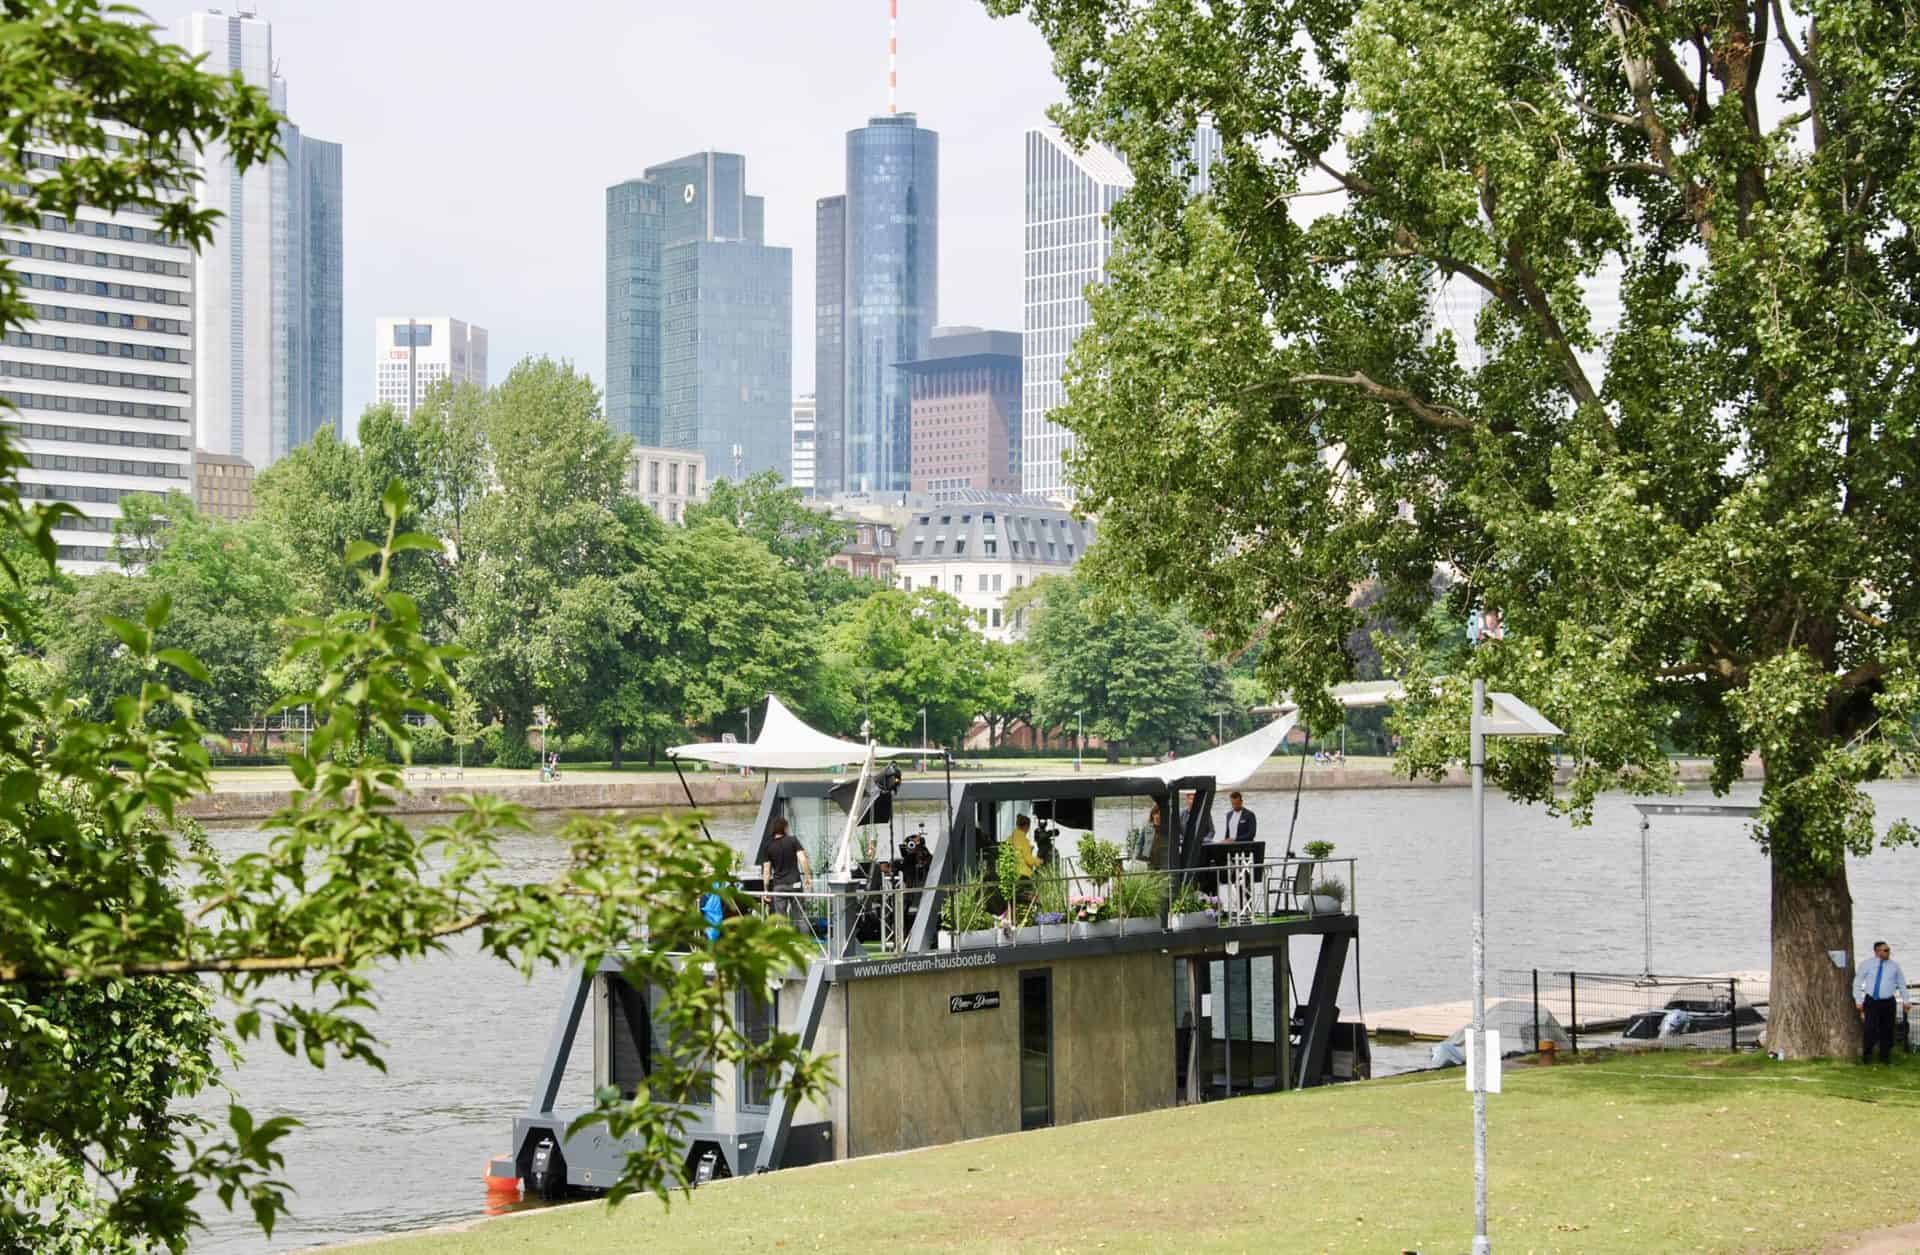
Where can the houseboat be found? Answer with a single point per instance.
(955, 1010)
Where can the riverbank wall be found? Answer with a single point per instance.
(655, 792)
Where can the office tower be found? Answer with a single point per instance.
(892, 292)
(222, 485)
(699, 316)
(1068, 241)
(829, 343)
(266, 305)
(805, 431)
(965, 398)
(410, 355)
(100, 377)
(636, 212)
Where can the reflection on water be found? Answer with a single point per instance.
(463, 1035)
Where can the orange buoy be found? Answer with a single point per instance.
(502, 1177)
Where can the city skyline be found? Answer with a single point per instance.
(543, 232)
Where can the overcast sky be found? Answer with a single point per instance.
(480, 138)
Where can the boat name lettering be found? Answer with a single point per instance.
(986, 1000)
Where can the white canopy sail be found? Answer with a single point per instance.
(787, 744)
(1228, 764)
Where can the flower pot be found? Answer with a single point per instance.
(1191, 919)
(977, 938)
(1031, 935)
(1140, 924)
(1324, 904)
(1099, 928)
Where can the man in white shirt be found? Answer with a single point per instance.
(1241, 824)
(1878, 986)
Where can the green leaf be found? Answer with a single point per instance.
(360, 550)
(415, 540)
(394, 499)
(157, 611)
(186, 663)
(131, 634)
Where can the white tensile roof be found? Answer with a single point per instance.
(1228, 764)
(786, 744)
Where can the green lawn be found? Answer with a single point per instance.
(1665, 1152)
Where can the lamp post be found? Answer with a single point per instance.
(746, 710)
(923, 738)
(1079, 736)
(1514, 718)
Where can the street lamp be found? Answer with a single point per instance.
(923, 739)
(1510, 717)
(746, 710)
(1079, 736)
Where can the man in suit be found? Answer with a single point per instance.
(1241, 824)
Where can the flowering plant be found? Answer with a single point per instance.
(1090, 909)
(1190, 901)
(1050, 917)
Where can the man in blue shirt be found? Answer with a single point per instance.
(1878, 986)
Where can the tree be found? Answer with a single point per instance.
(226, 590)
(317, 500)
(1137, 674)
(120, 937)
(898, 652)
(554, 521)
(718, 623)
(1707, 514)
(1008, 693)
(803, 538)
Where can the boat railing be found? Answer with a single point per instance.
(1061, 902)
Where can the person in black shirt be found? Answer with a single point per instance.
(916, 859)
(783, 865)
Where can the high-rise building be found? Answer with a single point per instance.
(222, 485)
(266, 304)
(668, 480)
(965, 397)
(829, 343)
(100, 377)
(410, 355)
(699, 316)
(891, 296)
(1068, 241)
(804, 433)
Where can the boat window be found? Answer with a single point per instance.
(1036, 1049)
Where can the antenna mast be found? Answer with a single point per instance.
(893, 56)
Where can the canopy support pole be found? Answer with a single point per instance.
(688, 789)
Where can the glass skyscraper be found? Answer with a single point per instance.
(699, 316)
(636, 217)
(829, 344)
(891, 295)
(267, 289)
(1069, 195)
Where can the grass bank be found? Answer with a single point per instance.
(1665, 1152)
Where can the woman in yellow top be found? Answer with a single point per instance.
(1022, 841)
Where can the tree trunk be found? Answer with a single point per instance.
(619, 739)
(653, 754)
(1810, 1013)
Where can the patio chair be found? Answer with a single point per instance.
(1293, 892)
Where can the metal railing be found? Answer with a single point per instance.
(1596, 1009)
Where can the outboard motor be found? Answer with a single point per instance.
(547, 1176)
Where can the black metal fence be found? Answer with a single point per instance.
(1592, 1009)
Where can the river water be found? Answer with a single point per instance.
(462, 1035)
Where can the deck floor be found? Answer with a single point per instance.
(1437, 1021)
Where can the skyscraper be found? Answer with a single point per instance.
(688, 270)
(829, 343)
(410, 355)
(804, 433)
(891, 295)
(100, 377)
(966, 413)
(266, 305)
(1068, 241)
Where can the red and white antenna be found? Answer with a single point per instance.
(893, 56)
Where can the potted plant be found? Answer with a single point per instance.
(1192, 909)
(1139, 898)
(1092, 916)
(967, 918)
(1328, 892)
(1050, 907)
(1329, 897)
(1099, 860)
